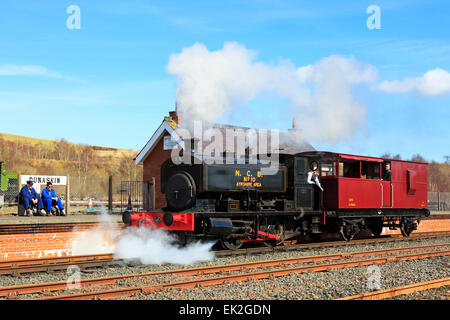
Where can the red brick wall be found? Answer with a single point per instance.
(152, 168)
(53, 244)
(36, 245)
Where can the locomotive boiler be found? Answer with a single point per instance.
(238, 203)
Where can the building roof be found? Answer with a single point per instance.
(290, 142)
(167, 125)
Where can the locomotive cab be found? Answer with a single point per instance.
(306, 195)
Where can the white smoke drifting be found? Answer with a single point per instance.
(98, 240)
(146, 245)
(157, 246)
(334, 113)
(211, 83)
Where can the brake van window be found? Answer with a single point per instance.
(349, 168)
(370, 170)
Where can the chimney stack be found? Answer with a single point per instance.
(176, 115)
(294, 123)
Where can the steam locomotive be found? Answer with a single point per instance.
(238, 203)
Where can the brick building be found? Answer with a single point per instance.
(155, 152)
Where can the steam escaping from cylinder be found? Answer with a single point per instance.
(145, 245)
(100, 239)
(155, 246)
(211, 84)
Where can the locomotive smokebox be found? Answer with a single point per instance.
(126, 218)
(217, 226)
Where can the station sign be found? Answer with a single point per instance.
(40, 180)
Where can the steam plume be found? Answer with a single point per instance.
(145, 245)
(211, 83)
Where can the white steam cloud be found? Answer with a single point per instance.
(98, 240)
(210, 83)
(148, 246)
(334, 114)
(157, 246)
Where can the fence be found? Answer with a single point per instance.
(11, 192)
(137, 195)
(439, 201)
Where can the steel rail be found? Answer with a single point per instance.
(397, 291)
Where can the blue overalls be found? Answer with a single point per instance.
(27, 195)
(47, 198)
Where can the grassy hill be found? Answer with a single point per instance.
(88, 166)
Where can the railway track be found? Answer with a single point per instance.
(393, 292)
(55, 286)
(16, 267)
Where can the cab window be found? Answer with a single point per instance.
(328, 168)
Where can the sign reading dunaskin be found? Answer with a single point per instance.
(40, 180)
(55, 180)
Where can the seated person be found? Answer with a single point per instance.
(50, 200)
(29, 198)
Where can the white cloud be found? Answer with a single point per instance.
(29, 70)
(434, 82)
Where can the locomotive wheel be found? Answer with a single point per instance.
(272, 229)
(180, 191)
(231, 243)
(347, 232)
(376, 228)
(406, 229)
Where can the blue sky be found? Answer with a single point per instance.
(107, 84)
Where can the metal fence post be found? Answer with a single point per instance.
(67, 196)
(439, 201)
(110, 194)
(153, 193)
